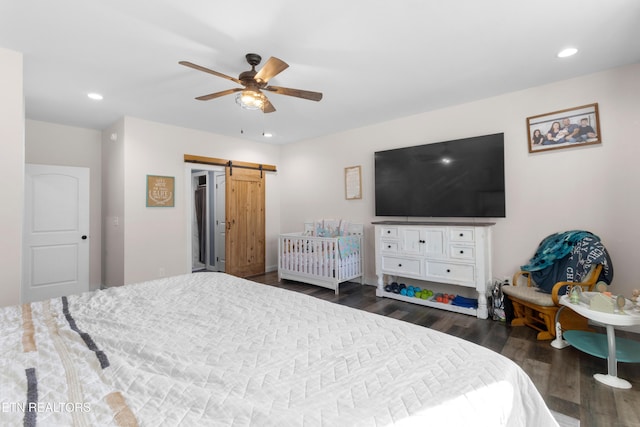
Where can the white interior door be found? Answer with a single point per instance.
(220, 221)
(56, 232)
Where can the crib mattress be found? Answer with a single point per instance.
(214, 350)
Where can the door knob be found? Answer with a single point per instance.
(84, 237)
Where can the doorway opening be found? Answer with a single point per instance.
(206, 209)
(233, 217)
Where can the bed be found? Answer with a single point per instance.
(209, 349)
(326, 253)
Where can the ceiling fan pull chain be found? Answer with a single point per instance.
(241, 122)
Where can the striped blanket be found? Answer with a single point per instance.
(52, 372)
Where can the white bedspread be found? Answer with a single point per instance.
(213, 350)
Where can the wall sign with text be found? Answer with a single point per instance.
(353, 182)
(160, 191)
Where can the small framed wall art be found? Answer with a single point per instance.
(353, 182)
(160, 191)
(573, 127)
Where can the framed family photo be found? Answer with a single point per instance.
(573, 127)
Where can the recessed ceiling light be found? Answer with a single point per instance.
(267, 134)
(95, 96)
(570, 51)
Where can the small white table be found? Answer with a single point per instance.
(584, 340)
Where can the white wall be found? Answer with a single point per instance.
(53, 144)
(113, 204)
(155, 239)
(12, 173)
(592, 187)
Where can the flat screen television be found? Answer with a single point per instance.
(460, 178)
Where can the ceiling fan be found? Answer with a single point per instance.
(250, 96)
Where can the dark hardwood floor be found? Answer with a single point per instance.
(563, 377)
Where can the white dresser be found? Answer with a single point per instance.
(452, 253)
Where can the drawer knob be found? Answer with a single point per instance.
(461, 252)
(422, 241)
(399, 265)
(461, 234)
(388, 246)
(388, 231)
(448, 270)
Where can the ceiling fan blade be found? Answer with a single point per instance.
(267, 106)
(218, 94)
(298, 93)
(206, 70)
(271, 68)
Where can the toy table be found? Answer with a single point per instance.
(615, 349)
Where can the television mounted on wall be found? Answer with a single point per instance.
(459, 178)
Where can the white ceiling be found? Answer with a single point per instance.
(373, 60)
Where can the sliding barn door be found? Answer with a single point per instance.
(245, 216)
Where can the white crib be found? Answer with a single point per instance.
(321, 261)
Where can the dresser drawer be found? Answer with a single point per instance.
(402, 266)
(466, 253)
(458, 234)
(389, 246)
(389, 232)
(460, 273)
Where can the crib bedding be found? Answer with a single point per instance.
(214, 350)
(346, 246)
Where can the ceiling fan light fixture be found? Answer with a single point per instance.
(250, 100)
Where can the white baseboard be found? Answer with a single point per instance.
(271, 268)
